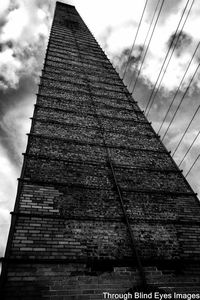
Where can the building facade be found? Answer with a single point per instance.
(101, 207)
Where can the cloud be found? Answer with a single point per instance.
(23, 35)
(7, 195)
(4, 227)
(128, 61)
(14, 121)
(173, 140)
(24, 28)
(170, 7)
(158, 47)
(3, 7)
(180, 41)
(14, 124)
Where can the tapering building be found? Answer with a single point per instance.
(101, 207)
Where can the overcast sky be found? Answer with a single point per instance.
(24, 30)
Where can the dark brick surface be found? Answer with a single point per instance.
(63, 149)
(69, 239)
(78, 284)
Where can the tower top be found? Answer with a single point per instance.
(64, 4)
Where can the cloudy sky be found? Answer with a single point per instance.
(24, 30)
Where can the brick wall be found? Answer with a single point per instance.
(83, 282)
(69, 238)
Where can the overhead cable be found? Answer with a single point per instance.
(139, 71)
(182, 98)
(176, 93)
(188, 150)
(185, 131)
(171, 47)
(127, 63)
(150, 25)
(192, 166)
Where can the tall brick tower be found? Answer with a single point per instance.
(101, 207)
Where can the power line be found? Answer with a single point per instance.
(173, 47)
(174, 97)
(147, 33)
(138, 74)
(185, 131)
(181, 100)
(189, 148)
(168, 60)
(127, 63)
(192, 165)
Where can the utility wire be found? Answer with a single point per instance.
(171, 47)
(189, 148)
(192, 165)
(181, 101)
(127, 63)
(147, 34)
(139, 71)
(176, 93)
(185, 131)
(169, 59)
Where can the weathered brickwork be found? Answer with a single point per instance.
(73, 100)
(39, 145)
(94, 173)
(78, 202)
(46, 281)
(104, 239)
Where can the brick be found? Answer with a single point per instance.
(69, 239)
